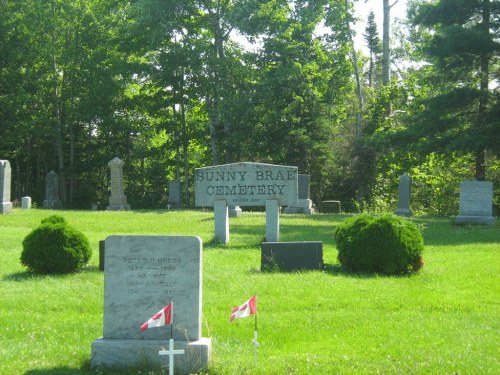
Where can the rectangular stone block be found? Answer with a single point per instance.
(292, 256)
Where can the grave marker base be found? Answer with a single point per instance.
(474, 220)
(143, 354)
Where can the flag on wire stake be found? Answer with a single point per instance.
(161, 318)
(243, 311)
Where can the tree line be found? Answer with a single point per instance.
(164, 86)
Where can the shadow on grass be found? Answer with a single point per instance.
(29, 276)
(55, 371)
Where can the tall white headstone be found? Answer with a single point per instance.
(117, 199)
(5, 186)
(142, 274)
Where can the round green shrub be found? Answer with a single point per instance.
(55, 248)
(387, 245)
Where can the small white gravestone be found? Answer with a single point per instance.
(5, 186)
(141, 275)
(117, 199)
(246, 184)
(476, 202)
(26, 203)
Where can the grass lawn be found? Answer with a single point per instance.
(444, 320)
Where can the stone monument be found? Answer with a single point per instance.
(174, 194)
(246, 184)
(304, 203)
(5, 186)
(476, 201)
(142, 274)
(52, 191)
(117, 199)
(404, 196)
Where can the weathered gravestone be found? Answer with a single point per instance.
(52, 191)
(291, 256)
(117, 199)
(404, 196)
(476, 201)
(246, 184)
(26, 203)
(174, 194)
(142, 274)
(304, 203)
(5, 186)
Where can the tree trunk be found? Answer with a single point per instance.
(484, 92)
(386, 49)
(359, 92)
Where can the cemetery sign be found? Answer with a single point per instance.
(246, 184)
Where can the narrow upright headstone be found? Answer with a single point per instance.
(52, 191)
(221, 218)
(174, 194)
(272, 220)
(404, 196)
(142, 274)
(117, 199)
(26, 203)
(5, 186)
(476, 203)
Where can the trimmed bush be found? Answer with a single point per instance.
(387, 245)
(55, 248)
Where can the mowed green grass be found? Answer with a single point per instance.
(444, 320)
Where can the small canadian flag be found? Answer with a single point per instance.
(161, 318)
(244, 310)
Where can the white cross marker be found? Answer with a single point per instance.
(171, 352)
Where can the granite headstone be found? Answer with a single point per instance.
(142, 274)
(52, 191)
(174, 194)
(404, 196)
(476, 202)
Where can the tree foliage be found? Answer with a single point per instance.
(166, 86)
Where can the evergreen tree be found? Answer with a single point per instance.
(461, 112)
(374, 46)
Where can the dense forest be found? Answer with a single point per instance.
(165, 86)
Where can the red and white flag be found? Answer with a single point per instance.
(247, 309)
(161, 318)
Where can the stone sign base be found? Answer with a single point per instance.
(5, 207)
(143, 354)
(291, 256)
(474, 220)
